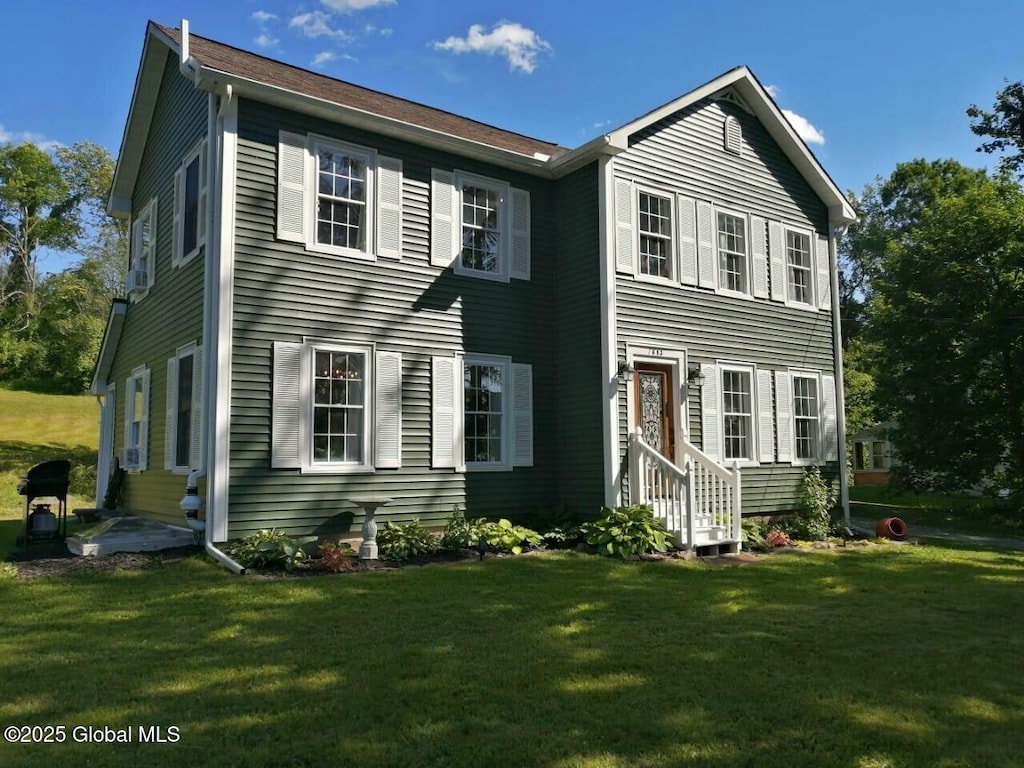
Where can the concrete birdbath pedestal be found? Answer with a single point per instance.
(369, 505)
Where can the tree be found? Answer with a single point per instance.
(1004, 126)
(947, 325)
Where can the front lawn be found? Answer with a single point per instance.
(956, 513)
(893, 656)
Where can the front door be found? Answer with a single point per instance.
(654, 407)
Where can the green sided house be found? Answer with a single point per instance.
(335, 294)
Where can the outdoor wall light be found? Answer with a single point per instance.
(625, 372)
(694, 377)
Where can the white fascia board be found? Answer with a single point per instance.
(111, 336)
(371, 121)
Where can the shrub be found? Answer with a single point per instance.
(628, 531)
(503, 536)
(777, 537)
(271, 549)
(754, 533)
(402, 541)
(458, 533)
(8, 571)
(337, 558)
(565, 538)
(817, 498)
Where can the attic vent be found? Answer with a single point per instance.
(733, 135)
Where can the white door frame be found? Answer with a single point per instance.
(674, 357)
(105, 457)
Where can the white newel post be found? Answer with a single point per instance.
(691, 502)
(737, 514)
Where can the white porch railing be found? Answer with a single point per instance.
(698, 502)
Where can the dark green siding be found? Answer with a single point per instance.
(684, 153)
(171, 314)
(283, 293)
(578, 337)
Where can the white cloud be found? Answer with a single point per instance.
(773, 91)
(266, 41)
(316, 24)
(602, 123)
(263, 16)
(350, 6)
(386, 32)
(518, 44)
(326, 57)
(31, 137)
(803, 127)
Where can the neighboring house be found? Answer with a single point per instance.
(872, 456)
(336, 293)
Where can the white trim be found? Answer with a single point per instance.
(505, 363)
(111, 336)
(202, 190)
(819, 445)
(502, 189)
(170, 462)
(673, 235)
(812, 269)
(752, 439)
(105, 455)
(312, 180)
(147, 260)
(610, 414)
(675, 358)
(747, 257)
(837, 346)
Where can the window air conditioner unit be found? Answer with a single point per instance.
(137, 281)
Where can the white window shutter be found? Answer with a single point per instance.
(144, 426)
(171, 426)
(291, 187)
(765, 420)
(522, 415)
(445, 388)
(760, 254)
(777, 257)
(129, 399)
(829, 418)
(442, 218)
(389, 207)
(784, 416)
(179, 203)
(824, 265)
(388, 431)
(520, 233)
(711, 422)
(287, 411)
(196, 445)
(707, 271)
(625, 247)
(203, 210)
(687, 241)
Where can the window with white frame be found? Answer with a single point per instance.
(344, 197)
(806, 417)
(732, 252)
(182, 449)
(485, 387)
(799, 260)
(871, 455)
(483, 220)
(737, 414)
(655, 230)
(136, 419)
(142, 259)
(190, 205)
(337, 407)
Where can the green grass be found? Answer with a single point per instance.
(894, 656)
(38, 427)
(957, 513)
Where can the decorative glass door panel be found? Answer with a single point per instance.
(654, 408)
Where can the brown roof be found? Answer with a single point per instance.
(251, 66)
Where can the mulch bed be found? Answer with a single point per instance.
(53, 562)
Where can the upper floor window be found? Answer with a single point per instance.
(190, 205)
(482, 224)
(142, 258)
(344, 187)
(655, 228)
(799, 267)
(732, 252)
(806, 425)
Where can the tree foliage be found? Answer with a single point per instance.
(1004, 127)
(947, 324)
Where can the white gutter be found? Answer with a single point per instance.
(837, 342)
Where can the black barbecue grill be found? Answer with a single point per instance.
(49, 480)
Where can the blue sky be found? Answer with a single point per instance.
(870, 84)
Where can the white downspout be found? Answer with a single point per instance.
(837, 341)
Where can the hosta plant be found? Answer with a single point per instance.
(503, 536)
(271, 549)
(628, 531)
(403, 541)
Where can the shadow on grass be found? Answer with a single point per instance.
(899, 656)
(18, 457)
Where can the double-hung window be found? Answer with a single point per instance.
(337, 407)
(806, 417)
(654, 218)
(142, 259)
(344, 198)
(733, 269)
(190, 205)
(737, 414)
(482, 227)
(485, 387)
(183, 435)
(799, 269)
(136, 419)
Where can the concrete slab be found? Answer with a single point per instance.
(128, 534)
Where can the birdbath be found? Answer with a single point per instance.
(369, 505)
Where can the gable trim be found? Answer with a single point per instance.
(108, 347)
